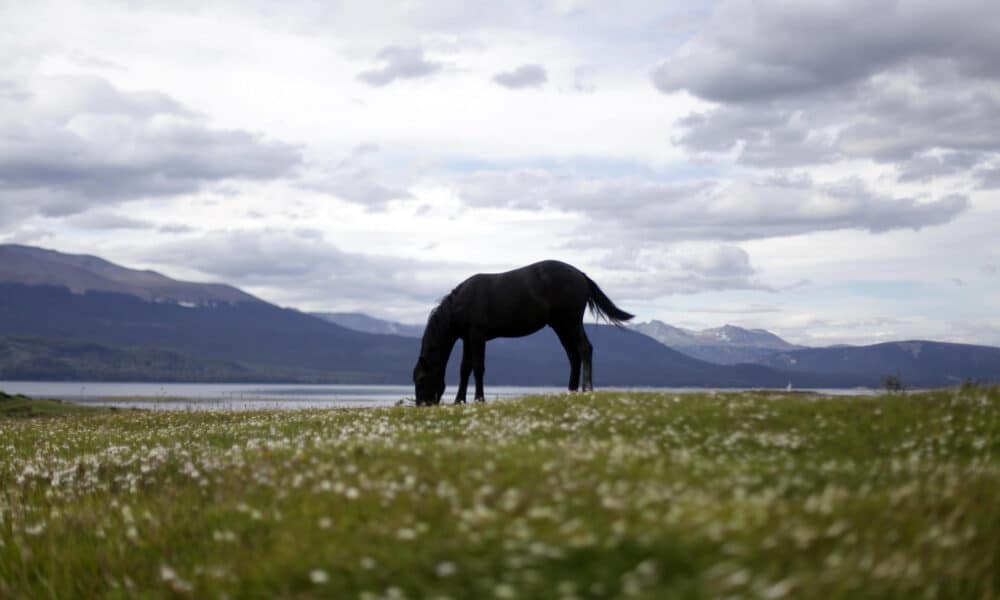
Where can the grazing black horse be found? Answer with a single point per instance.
(511, 304)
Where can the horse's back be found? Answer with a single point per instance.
(522, 301)
(545, 292)
(548, 280)
(548, 268)
(539, 275)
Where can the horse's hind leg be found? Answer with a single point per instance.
(587, 355)
(568, 337)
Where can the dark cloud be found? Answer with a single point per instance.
(929, 166)
(988, 177)
(11, 92)
(767, 137)
(745, 309)
(645, 210)
(399, 63)
(176, 228)
(808, 83)
(108, 221)
(895, 122)
(358, 186)
(525, 76)
(768, 50)
(78, 141)
(873, 121)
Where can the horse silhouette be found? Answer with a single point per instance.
(512, 304)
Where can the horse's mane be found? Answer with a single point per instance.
(439, 314)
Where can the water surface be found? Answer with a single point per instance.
(233, 396)
(252, 396)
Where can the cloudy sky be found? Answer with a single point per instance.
(826, 170)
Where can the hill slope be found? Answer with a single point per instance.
(54, 359)
(260, 336)
(82, 273)
(275, 343)
(367, 324)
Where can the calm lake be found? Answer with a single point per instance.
(249, 396)
(233, 396)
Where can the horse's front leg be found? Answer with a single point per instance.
(463, 374)
(478, 348)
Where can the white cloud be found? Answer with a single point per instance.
(73, 142)
(737, 210)
(359, 178)
(301, 268)
(845, 145)
(691, 268)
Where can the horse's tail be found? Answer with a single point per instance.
(600, 305)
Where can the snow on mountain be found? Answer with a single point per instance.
(728, 344)
(367, 324)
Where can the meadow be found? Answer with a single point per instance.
(598, 495)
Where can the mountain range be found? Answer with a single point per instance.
(83, 318)
(28, 265)
(726, 345)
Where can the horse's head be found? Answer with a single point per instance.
(428, 381)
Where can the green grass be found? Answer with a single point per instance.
(600, 495)
(19, 406)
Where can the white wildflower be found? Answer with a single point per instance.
(445, 569)
(167, 573)
(224, 536)
(35, 529)
(318, 576)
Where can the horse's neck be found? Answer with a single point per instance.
(437, 350)
(440, 336)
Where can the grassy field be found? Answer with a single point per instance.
(18, 406)
(611, 494)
